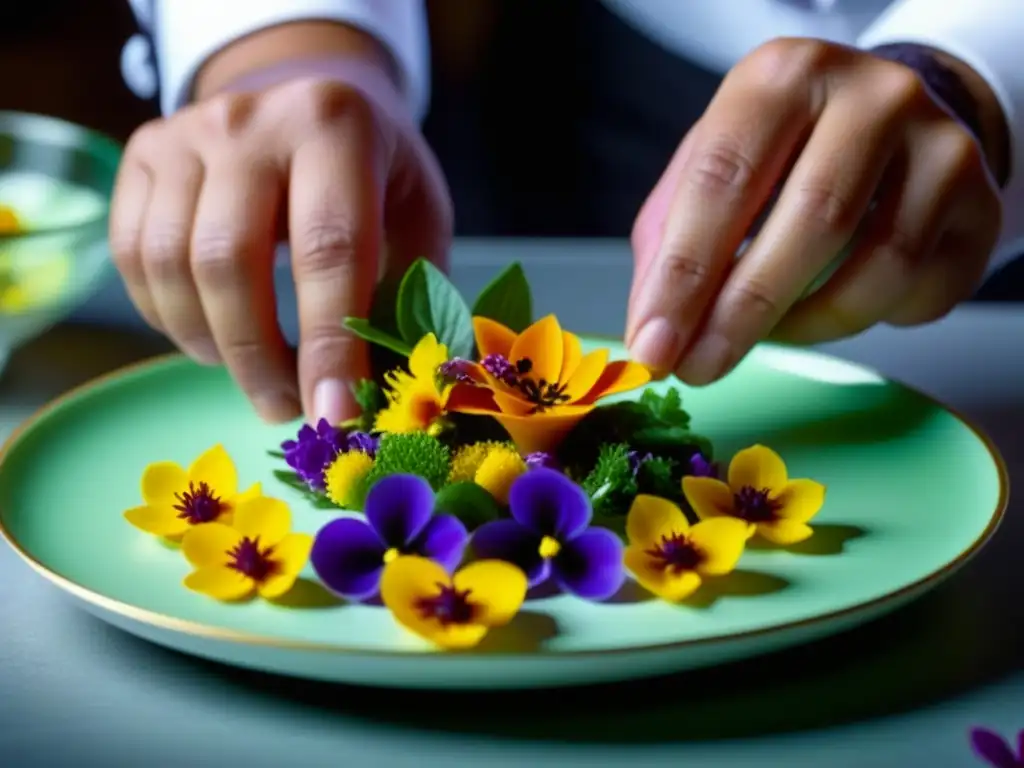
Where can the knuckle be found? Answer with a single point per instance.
(824, 209)
(754, 303)
(146, 139)
(898, 88)
(228, 115)
(963, 154)
(900, 253)
(326, 245)
(216, 258)
(788, 60)
(721, 168)
(165, 252)
(685, 272)
(246, 356)
(327, 348)
(326, 102)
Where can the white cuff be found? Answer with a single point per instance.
(187, 32)
(986, 35)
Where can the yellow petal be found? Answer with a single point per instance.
(542, 431)
(665, 583)
(455, 637)
(572, 353)
(268, 519)
(277, 585)
(253, 491)
(220, 583)
(496, 589)
(512, 403)
(426, 356)
(159, 521)
(800, 500)
(292, 553)
(216, 469)
(708, 496)
(541, 344)
(586, 375)
(721, 540)
(209, 545)
(161, 481)
(757, 467)
(785, 532)
(650, 518)
(492, 338)
(407, 580)
(618, 376)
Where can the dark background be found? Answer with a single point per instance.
(551, 119)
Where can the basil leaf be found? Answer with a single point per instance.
(507, 299)
(362, 328)
(429, 303)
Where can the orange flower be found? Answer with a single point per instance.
(539, 384)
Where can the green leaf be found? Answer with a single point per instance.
(469, 502)
(506, 299)
(275, 454)
(362, 328)
(666, 408)
(429, 303)
(295, 482)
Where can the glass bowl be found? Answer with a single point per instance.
(56, 178)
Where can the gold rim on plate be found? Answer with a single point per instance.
(208, 632)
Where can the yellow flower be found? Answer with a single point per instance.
(258, 554)
(417, 397)
(538, 384)
(453, 612)
(344, 478)
(669, 557)
(498, 471)
(9, 222)
(760, 493)
(468, 458)
(175, 499)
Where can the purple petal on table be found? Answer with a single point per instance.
(992, 748)
(398, 507)
(590, 565)
(549, 504)
(509, 541)
(443, 540)
(348, 557)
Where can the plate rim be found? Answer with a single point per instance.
(203, 631)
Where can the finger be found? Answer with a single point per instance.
(738, 150)
(232, 259)
(165, 260)
(335, 222)
(132, 193)
(822, 202)
(919, 195)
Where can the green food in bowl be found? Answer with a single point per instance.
(56, 179)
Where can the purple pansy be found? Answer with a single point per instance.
(548, 535)
(349, 554)
(997, 751)
(701, 467)
(314, 448)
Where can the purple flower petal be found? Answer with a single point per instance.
(398, 507)
(540, 459)
(590, 565)
(992, 748)
(348, 557)
(509, 541)
(549, 504)
(1020, 745)
(363, 442)
(443, 540)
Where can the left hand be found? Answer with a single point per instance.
(853, 131)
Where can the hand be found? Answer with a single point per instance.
(867, 152)
(203, 196)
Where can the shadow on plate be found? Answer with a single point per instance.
(828, 539)
(308, 595)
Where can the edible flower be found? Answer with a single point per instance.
(453, 612)
(468, 458)
(417, 397)
(10, 224)
(349, 554)
(538, 384)
(257, 554)
(539, 459)
(345, 478)
(701, 467)
(997, 751)
(175, 499)
(498, 471)
(548, 535)
(315, 448)
(759, 492)
(669, 557)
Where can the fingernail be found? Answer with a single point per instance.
(656, 345)
(708, 360)
(329, 399)
(276, 408)
(205, 352)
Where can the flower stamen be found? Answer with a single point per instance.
(756, 506)
(500, 368)
(676, 552)
(390, 555)
(449, 606)
(250, 560)
(199, 504)
(549, 547)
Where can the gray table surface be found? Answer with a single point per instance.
(901, 692)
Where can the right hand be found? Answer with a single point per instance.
(203, 197)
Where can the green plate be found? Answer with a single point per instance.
(913, 492)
